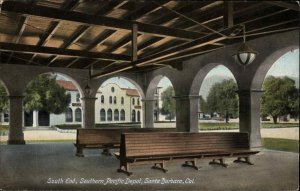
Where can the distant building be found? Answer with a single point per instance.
(113, 105)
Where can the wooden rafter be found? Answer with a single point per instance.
(90, 20)
(62, 52)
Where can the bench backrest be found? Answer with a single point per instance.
(148, 144)
(110, 135)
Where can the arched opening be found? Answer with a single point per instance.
(4, 112)
(164, 105)
(109, 115)
(78, 115)
(218, 101)
(133, 116)
(102, 115)
(52, 99)
(123, 97)
(280, 103)
(116, 115)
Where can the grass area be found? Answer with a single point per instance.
(281, 144)
(230, 126)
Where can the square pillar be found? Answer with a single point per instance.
(16, 135)
(187, 113)
(249, 115)
(88, 106)
(148, 111)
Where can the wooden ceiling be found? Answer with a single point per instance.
(115, 35)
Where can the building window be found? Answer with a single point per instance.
(116, 115)
(109, 115)
(133, 101)
(102, 99)
(102, 115)
(6, 117)
(138, 101)
(122, 100)
(112, 89)
(77, 97)
(138, 116)
(78, 115)
(69, 115)
(133, 116)
(115, 100)
(122, 115)
(110, 99)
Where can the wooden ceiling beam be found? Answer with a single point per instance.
(90, 20)
(228, 14)
(61, 52)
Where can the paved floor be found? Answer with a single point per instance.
(54, 167)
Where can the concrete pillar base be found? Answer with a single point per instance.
(16, 142)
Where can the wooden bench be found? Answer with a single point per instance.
(107, 138)
(158, 148)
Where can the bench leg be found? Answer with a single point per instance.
(221, 162)
(162, 166)
(106, 152)
(193, 164)
(79, 152)
(247, 160)
(125, 169)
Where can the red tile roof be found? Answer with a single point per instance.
(67, 85)
(131, 92)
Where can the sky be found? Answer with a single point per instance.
(288, 65)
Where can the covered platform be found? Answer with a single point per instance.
(55, 167)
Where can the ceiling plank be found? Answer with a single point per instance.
(61, 52)
(286, 5)
(69, 5)
(200, 42)
(21, 27)
(56, 14)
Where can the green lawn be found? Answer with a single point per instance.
(281, 144)
(228, 126)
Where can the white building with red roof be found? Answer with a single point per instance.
(113, 105)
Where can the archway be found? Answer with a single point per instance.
(280, 101)
(64, 93)
(4, 112)
(160, 94)
(218, 100)
(120, 99)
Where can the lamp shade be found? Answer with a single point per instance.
(88, 90)
(245, 55)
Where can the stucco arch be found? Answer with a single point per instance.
(153, 85)
(203, 72)
(265, 66)
(4, 85)
(62, 74)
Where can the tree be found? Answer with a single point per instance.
(44, 94)
(168, 102)
(223, 99)
(203, 105)
(280, 97)
(3, 99)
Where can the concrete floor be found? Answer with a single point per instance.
(39, 166)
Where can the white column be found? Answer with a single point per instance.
(16, 135)
(35, 117)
